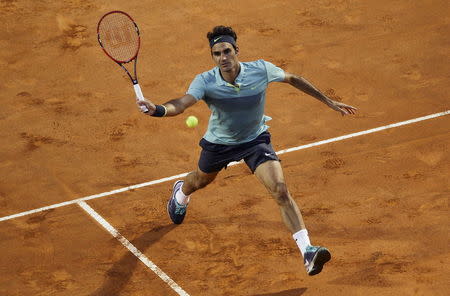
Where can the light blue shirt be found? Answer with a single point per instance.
(237, 112)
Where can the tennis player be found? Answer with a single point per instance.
(235, 92)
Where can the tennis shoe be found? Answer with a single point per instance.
(175, 210)
(315, 258)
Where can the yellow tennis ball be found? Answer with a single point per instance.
(191, 121)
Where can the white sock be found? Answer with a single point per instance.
(182, 199)
(302, 239)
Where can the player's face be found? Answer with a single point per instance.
(225, 56)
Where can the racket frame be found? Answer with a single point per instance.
(134, 80)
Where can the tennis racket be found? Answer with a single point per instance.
(119, 38)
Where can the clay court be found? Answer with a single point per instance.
(71, 134)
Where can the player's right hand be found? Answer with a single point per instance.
(146, 106)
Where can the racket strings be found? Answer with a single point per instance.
(119, 37)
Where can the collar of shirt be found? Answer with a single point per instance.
(238, 81)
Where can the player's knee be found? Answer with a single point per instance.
(280, 193)
(203, 181)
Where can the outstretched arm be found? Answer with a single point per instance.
(306, 87)
(172, 107)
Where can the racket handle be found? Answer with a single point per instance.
(139, 96)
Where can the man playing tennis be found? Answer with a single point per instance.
(235, 93)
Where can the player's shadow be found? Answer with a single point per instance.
(291, 292)
(120, 273)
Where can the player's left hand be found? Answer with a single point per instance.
(342, 108)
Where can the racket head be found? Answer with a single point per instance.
(118, 36)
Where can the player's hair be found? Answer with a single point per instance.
(221, 30)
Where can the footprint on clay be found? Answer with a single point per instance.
(58, 105)
(198, 246)
(328, 153)
(140, 211)
(300, 52)
(333, 163)
(352, 19)
(332, 94)
(393, 202)
(121, 162)
(24, 94)
(314, 22)
(333, 65)
(28, 99)
(267, 31)
(373, 220)
(249, 203)
(416, 176)
(73, 35)
(34, 142)
(38, 218)
(308, 138)
(414, 75)
(317, 181)
(298, 48)
(62, 280)
(282, 63)
(304, 13)
(8, 6)
(432, 158)
(117, 134)
(321, 210)
(387, 263)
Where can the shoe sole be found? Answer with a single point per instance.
(321, 257)
(171, 197)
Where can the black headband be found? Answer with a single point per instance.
(222, 38)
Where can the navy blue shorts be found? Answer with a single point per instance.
(215, 157)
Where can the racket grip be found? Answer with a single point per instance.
(139, 96)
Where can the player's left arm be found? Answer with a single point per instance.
(306, 87)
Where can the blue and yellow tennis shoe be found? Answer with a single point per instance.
(174, 209)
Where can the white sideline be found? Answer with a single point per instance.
(74, 201)
(127, 244)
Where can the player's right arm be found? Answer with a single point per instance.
(177, 106)
(173, 107)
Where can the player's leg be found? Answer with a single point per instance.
(271, 175)
(196, 180)
(178, 202)
(209, 165)
(211, 161)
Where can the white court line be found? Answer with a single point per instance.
(74, 201)
(127, 244)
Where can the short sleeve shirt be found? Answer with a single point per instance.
(237, 111)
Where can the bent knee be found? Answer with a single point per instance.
(280, 193)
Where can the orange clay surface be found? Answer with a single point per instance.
(70, 128)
